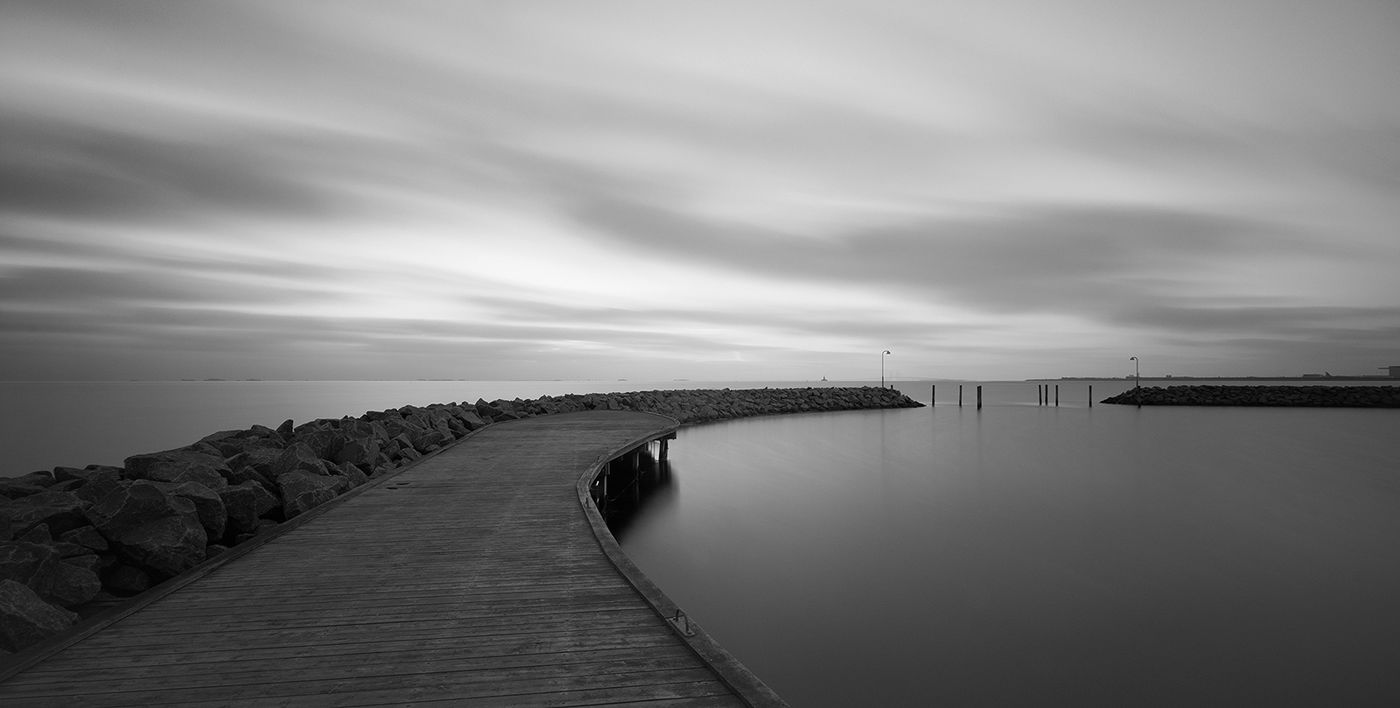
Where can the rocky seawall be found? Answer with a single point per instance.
(1301, 396)
(73, 539)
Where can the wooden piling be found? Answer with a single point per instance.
(933, 394)
(1091, 395)
(1057, 395)
(960, 395)
(979, 397)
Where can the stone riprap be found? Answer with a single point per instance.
(1301, 396)
(73, 538)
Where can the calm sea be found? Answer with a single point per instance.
(1027, 555)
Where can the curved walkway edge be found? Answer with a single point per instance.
(744, 682)
(472, 576)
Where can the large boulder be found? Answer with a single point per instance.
(55, 571)
(98, 482)
(166, 547)
(23, 486)
(61, 511)
(365, 429)
(353, 474)
(302, 490)
(403, 426)
(25, 618)
(207, 504)
(151, 528)
(472, 419)
(486, 410)
(76, 581)
(65, 474)
(233, 442)
(34, 564)
(508, 410)
(180, 465)
(361, 451)
(254, 464)
(323, 440)
(430, 440)
(87, 537)
(245, 503)
(298, 457)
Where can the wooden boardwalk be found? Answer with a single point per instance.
(473, 577)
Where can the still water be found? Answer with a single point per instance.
(1026, 555)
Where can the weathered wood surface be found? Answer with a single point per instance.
(473, 577)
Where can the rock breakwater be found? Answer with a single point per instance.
(72, 538)
(1300, 396)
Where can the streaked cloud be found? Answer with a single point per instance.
(725, 190)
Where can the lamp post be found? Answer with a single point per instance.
(1137, 380)
(882, 368)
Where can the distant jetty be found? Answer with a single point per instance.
(74, 540)
(1294, 396)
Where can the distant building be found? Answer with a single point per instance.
(1394, 371)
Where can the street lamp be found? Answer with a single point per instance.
(882, 368)
(1137, 380)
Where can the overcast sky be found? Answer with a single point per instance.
(706, 190)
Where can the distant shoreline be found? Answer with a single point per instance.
(1272, 396)
(1223, 378)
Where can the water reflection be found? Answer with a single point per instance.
(634, 484)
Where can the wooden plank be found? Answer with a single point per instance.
(482, 648)
(577, 620)
(408, 653)
(474, 575)
(325, 676)
(701, 694)
(398, 688)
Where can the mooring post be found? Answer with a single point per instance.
(960, 395)
(1091, 395)
(1057, 395)
(933, 394)
(979, 397)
